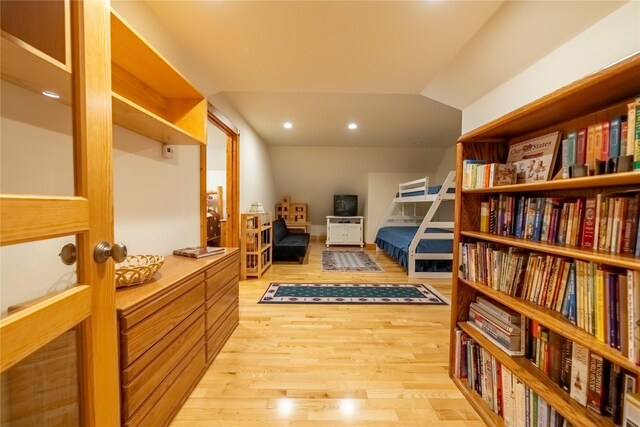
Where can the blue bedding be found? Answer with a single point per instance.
(432, 189)
(395, 241)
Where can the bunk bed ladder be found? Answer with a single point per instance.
(428, 222)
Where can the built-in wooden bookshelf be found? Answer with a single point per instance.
(150, 96)
(256, 245)
(600, 96)
(36, 46)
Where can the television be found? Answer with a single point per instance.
(345, 205)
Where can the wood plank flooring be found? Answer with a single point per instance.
(332, 365)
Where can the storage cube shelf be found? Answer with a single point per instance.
(256, 244)
(292, 213)
(593, 99)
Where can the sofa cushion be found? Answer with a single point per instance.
(292, 246)
(279, 230)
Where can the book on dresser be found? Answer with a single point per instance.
(546, 304)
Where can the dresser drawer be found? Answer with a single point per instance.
(132, 318)
(135, 341)
(215, 309)
(220, 333)
(218, 267)
(216, 281)
(140, 387)
(161, 406)
(137, 366)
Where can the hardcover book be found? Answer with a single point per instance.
(198, 251)
(535, 158)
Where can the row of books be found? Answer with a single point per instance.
(604, 222)
(503, 392)
(479, 174)
(589, 379)
(618, 137)
(601, 300)
(500, 324)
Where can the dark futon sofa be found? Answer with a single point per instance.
(288, 246)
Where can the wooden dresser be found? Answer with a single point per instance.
(171, 329)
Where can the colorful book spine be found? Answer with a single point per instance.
(581, 147)
(614, 137)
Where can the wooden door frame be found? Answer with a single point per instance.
(232, 179)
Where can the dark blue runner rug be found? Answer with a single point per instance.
(351, 293)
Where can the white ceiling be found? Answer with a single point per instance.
(401, 69)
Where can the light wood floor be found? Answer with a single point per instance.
(331, 365)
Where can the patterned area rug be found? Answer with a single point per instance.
(352, 293)
(349, 261)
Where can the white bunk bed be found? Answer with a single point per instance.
(411, 238)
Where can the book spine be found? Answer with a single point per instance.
(589, 223)
(606, 141)
(579, 373)
(591, 159)
(581, 146)
(614, 137)
(636, 145)
(631, 129)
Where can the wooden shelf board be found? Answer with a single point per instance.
(539, 383)
(600, 257)
(132, 52)
(135, 118)
(487, 415)
(27, 67)
(554, 321)
(615, 179)
(591, 93)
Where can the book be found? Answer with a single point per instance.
(597, 378)
(589, 223)
(534, 158)
(199, 251)
(631, 410)
(579, 373)
(581, 147)
(614, 136)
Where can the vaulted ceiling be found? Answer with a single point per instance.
(401, 70)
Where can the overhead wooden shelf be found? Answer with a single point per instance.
(150, 96)
(36, 53)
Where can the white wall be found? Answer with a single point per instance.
(313, 175)
(156, 200)
(217, 161)
(381, 189)
(607, 41)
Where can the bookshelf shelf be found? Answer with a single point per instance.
(597, 181)
(487, 415)
(614, 260)
(539, 383)
(554, 321)
(592, 101)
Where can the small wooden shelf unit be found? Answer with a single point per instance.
(256, 244)
(597, 97)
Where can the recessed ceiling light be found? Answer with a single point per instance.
(51, 94)
(352, 126)
(287, 125)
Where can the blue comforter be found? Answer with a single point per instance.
(396, 240)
